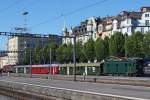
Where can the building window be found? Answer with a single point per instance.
(142, 30)
(146, 15)
(128, 21)
(95, 35)
(147, 22)
(128, 29)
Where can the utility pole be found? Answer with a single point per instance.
(30, 63)
(50, 56)
(43, 60)
(74, 56)
(50, 61)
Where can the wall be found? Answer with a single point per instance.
(59, 93)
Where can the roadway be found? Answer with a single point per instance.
(137, 92)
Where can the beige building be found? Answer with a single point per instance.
(18, 45)
(3, 61)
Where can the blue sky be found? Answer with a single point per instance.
(43, 10)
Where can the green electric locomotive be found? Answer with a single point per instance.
(124, 67)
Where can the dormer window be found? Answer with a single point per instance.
(146, 15)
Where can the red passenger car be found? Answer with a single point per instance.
(45, 69)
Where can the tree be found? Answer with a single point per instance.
(89, 49)
(106, 42)
(37, 55)
(26, 60)
(53, 47)
(146, 45)
(59, 53)
(134, 45)
(46, 54)
(50, 48)
(129, 51)
(101, 49)
(80, 56)
(116, 44)
(68, 54)
(64, 53)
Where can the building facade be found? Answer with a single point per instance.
(125, 22)
(18, 46)
(3, 60)
(87, 29)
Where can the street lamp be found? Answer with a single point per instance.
(25, 20)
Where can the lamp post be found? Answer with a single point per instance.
(74, 52)
(25, 20)
(74, 57)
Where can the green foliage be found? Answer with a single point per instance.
(26, 60)
(59, 53)
(80, 55)
(101, 49)
(128, 47)
(106, 42)
(67, 52)
(146, 45)
(53, 47)
(134, 45)
(116, 45)
(64, 53)
(36, 55)
(89, 49)
(45, 52)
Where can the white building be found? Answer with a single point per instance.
(130, 22)
(86, 30)
(125, 22)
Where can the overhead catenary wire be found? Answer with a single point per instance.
(33, 3)
(69, 13)
(10, 6)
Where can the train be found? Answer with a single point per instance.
(124, 67)
(136, 67)
(45, 69)
(38, 69)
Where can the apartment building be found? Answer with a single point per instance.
(87, 29)
(125, 22)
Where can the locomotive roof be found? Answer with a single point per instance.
(116, 59)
